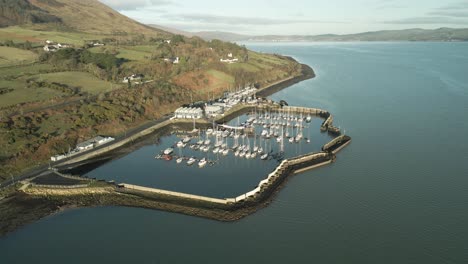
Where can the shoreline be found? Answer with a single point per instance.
(57, 203)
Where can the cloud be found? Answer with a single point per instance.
(429, 20)
(234, 20)
(457, 10)
(450, 13)
(135, 4)
(454, 6)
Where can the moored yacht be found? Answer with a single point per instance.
(202, 163)
(191, 161)
(168, 151)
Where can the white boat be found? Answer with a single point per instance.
(255, 149)
(225, 152)
(260, 150)
(191, 161)
(179, 160)
(209, 131)
(279, 139)
(248, 155)
(181, 144)
(236, 153)
(235, 146)
(308, 119)
(298, 137)
(242, 154)
(254, 155)
(291, 140)
(168, 151)
(207, 142)
(206, 149)
(216, 150)
(264, 156)
(202, 163)
(186, 140)
(200, 142)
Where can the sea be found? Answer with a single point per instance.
(397, 194)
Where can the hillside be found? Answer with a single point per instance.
(52, 100)
(86, 16)
(17, 12)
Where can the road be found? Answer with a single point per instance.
(44, 168)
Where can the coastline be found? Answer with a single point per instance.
(56, 203)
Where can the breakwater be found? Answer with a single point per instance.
(251, 200)
(225, 209)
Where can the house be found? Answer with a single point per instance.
(213, 110)
(50, 48)
(91, 143)
(168, 41)
(53, 47)
(229, 60)
(133, 77)
(188, 113)
(99, 140)
(174, 60)
(229, 55)
(88, 144)
(57, 157)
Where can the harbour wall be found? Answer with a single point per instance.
(262, 191)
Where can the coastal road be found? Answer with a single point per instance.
(43, 169)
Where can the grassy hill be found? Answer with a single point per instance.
(91, 16)
(15, 12)
(50, 101)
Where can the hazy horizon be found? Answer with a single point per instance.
(280, 17)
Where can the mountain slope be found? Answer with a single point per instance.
(91, 16)
(15, 12)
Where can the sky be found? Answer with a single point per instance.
(301, 17)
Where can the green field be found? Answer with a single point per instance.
(221, 76)
(132, 53)
(25, 70)
(22, 94)
(85, 81)
(19, 34)
(13, 56)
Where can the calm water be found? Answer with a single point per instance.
(229, 176)
(397, 194)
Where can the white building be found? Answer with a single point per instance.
(57, 157)
(213, 110)
(133, 77)
(188, 113)
(94, 142)
(229, 60)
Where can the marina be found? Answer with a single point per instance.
(222, 161)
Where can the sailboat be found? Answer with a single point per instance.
(202, 163)
(191, 161)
